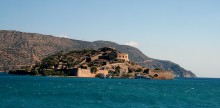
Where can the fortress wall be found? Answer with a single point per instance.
(105, 72)
(85, 73)
(161, 74)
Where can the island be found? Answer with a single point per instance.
(104, 62)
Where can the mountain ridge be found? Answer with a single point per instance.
(23, 48)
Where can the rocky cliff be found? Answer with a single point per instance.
(19, 49)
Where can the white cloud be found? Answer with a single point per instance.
(132, 43)
(63, 35)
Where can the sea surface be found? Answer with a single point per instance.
(58, 92)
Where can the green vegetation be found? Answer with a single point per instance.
(117, 69)
(114, 73)
(93, 69)
(111, 72)
(138, 70)
(147, 71)
(126, 75)
(157, 69)
(35, 72)
(99, 75)
(130, 70)
(52, 72)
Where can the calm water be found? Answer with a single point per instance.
(35, 92)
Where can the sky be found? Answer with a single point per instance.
(186, 32)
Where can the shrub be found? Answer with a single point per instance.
(126, 75)
(147, 71)
(48, 72)
(117, 69)
(130, 70)
(99, 75)
(93, 69)
(60, 73)
(12, 72)
(155, 75)
(111, 72)
(157, 69)
(34, 72)
(139, 70)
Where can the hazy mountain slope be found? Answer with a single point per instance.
(19, 49)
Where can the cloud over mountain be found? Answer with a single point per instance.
(132, 43)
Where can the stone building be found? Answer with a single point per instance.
(112, 53)
(122, 56)
(119, 56)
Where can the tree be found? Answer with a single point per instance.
(117, 69)
(147, 71)
(93, 69)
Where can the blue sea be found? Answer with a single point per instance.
(58, 92)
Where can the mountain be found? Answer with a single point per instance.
(19, 49)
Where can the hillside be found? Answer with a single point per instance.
(19, 49)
